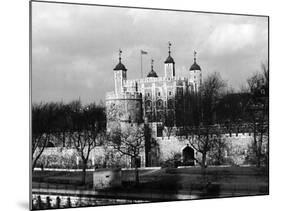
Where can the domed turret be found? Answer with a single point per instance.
(120, 66)
(152, 73)
(195, 66)
(169, 64)
(169, 58)
(120, 75)
(195, 75)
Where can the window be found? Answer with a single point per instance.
(159, 94)
(159, 104)
(170, 93)
(160, 116)
(149, 116)
(170, 104)
(159, 131)
(179, 92)
(148, 105)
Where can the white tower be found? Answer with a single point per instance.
(169, 65)
(195, 75)
(120, 75)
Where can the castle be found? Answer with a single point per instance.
(158, 102)
(161, 105)
(154, 100)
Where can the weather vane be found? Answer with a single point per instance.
(152, 64)
(194, 55)
(169, 46)
(120, 53)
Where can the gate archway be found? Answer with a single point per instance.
(188, 156)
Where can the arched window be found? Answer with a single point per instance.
(179, 92)
(148, 105)
(160, 117)
(149, 116)
(170, 104)
(159, 104)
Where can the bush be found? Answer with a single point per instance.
(58, 161)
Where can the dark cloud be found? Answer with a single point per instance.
(75, 47)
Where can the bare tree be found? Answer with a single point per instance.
(43, 118)
(168, 125)
(211, 91)
(202, 142)
(202, 139)
(129, 141)
(258, 108)
(87, 125)
(218, 150)
(62, 124)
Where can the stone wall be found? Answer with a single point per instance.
(238, 147)
(107, 178)
(100, 157)
(169, 147)
(165, 149)
(236, 150)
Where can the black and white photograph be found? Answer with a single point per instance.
(137, 105)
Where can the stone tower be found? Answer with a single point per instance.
(124, 105)
(195, 75)
(120, 75)
(169, 65)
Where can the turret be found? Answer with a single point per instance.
(195, 75)
(169, 64)
(152, 73)
(120, 75)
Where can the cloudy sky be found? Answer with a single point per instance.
(75, 47)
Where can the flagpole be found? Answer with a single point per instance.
(141, 65)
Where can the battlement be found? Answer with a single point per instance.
(130, 82)
(123, 95)
(151, 79)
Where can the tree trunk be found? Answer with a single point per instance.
(203, 167)
(259, 150)
(203, 163)
(219, 155)
(137, 175)
(35, 159)
(63, 139)
(255, 144)
(84, 166)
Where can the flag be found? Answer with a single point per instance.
(143, 52)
